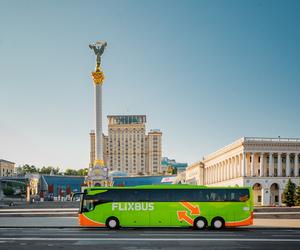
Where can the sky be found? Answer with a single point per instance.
(205, 73)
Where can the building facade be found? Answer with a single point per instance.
(195, 174)
(6, 168)
(178, 166)
(128, 148)
(265, 164)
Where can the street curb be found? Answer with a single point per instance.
(161, 228)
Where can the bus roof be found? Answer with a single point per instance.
(174, 186)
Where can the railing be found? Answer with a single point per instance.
(270, 139)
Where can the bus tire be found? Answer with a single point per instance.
(200, 223)
(217, 223)
(112, 223)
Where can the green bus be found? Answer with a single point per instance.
(166, 206)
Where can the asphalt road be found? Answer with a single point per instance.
(133, 238)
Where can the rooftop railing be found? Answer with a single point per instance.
(270, 139)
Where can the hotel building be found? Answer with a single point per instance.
(128, 148)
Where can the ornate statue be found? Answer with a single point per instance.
(98, 48)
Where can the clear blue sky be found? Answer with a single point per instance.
(204, 72)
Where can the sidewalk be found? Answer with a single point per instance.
(277, 223)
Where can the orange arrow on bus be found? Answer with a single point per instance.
(193, 209)
(182, 215)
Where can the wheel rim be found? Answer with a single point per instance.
(200, 224)
(112, 223)
(218, 224)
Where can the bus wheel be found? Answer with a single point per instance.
(200, 223)
(217, 223)
(112, 223)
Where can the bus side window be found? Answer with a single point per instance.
(157, 195)
(134, 195)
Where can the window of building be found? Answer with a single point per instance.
(259, 198)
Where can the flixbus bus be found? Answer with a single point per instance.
(166, 206)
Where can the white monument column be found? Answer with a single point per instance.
(98, 121)
(279, 169)
(261, 165)
(98, 173)
(296, 172)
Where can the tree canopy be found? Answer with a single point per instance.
(31, 169)
(289, 194)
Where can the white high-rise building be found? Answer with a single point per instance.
(127, 147)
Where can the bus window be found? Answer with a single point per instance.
(157, 195)
(134, 195)
(88, 205)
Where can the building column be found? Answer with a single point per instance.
(233, 167)
(244, 165)
(220, 171)
(287, 168)
(279, 166)
(228, 170)
(265, 196)
(223, 171)
(215, 174)
(237, 163)
(271, 166)
(261, 165)
(280, 191)
(208, 175)
(296, 169)
(252, 164)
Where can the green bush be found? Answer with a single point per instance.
(8, 191)
(297, 196)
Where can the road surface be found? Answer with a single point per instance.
(134, 238)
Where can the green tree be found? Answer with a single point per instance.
(171, 170)
(49, 170)
(82, 172)
(25, 169)
(70, 171)
(8, 190)
(289, 194)
(297, 196)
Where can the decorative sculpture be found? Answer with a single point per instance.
(98, 48)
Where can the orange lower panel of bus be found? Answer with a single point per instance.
(246, 222)
(87, 222)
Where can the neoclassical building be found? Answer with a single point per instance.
(265, 164)
(6, 168)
